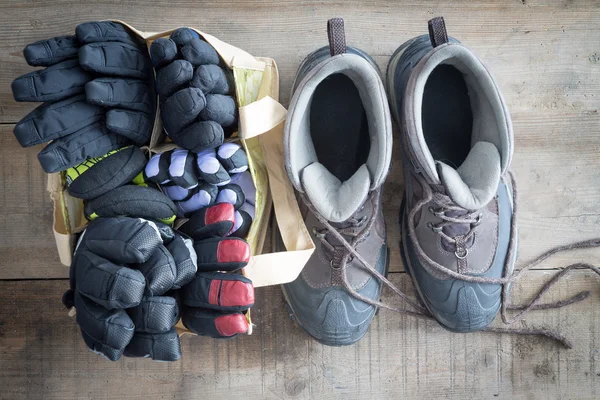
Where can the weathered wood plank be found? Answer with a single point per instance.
(544, 54)
(43, 355)
(27, 243)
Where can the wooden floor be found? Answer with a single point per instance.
(545, 55)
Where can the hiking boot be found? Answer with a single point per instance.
(457, 145)
(338, 143)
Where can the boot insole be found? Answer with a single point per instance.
(446, 117)
(339, 127)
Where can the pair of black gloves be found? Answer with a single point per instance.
(133, 278)
(98, 94)
(196, 93)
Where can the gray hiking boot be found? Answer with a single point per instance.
(457, 145)
(338, 142)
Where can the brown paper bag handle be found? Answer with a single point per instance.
(264, 119)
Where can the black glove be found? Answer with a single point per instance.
(194, 181)
(197, 107)
(98, 94)
(214, 301)
(122, 279)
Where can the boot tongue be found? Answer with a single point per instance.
(334, 200)
(475, 182)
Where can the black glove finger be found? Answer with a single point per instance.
(203, 195)
(243, 222)
(219, 108)
(219, 291)
(105, 31)
(122, 240)
(132, 94)
(232, 157)
(134, 125)
(162, 52)
(50, 121)
(159, 270)
(51, 51)
(56, 82)
(232, 194)
(155, 314)
(173, 77)
(199, 136)
(106, 332)
(108, 284)
(213, 323)
(97, 176)
(182, 169)
(115, 59)
(181, 109)
(212, 79)
(157, 169)
(210, 169)
(222, 254)
(157, 346)
(131, 201)
(213, 221)
(198, 52)
(92, 141)
(183, 36)
(186, 260)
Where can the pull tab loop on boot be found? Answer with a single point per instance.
(437, 31)
(336, 36)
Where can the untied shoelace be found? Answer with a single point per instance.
(505, 280)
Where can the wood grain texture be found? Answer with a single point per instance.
(44, 357)
(546, 58)
(544, 53)
(27, 243)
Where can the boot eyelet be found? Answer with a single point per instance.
(461, 254)
(316, 233)
(433, 227)
(334, 266)
(437, 213)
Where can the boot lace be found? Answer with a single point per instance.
(467, 218)
(451, 214)
(338, 255)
